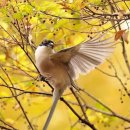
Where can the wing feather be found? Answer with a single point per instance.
(85, 56)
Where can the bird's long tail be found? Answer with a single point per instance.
(56, 96)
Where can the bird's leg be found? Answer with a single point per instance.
(40, 78)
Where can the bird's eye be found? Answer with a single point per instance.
(51, 44)
(47, 43)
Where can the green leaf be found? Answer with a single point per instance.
(60, 23)
(7, 20)
(18, 16)
(96, 2)
(28, 9)
(3, 10)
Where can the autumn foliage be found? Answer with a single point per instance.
(104, 93)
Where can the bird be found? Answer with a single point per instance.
(63, 67)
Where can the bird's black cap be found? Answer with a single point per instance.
(47, 43)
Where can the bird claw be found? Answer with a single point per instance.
(41, 78)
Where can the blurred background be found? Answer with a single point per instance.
(105, 92)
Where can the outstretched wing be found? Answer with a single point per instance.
(85, 56)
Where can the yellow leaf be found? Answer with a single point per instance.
(4, 94)
(96, 2)
(9, 120)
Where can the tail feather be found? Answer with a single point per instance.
(56, 96)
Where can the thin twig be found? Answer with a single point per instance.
(79, 117)
(7, 124)
(16, 98)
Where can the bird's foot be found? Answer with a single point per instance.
(41, 78)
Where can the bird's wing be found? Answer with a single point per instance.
(86, 56)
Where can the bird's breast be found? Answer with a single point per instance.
(56, 73)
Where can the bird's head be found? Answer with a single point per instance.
(44, 48)
(47, 43)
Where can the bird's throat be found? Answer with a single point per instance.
(42, 53)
